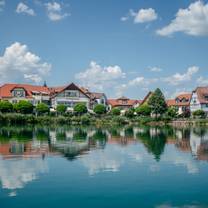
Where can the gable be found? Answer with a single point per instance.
(72, 91)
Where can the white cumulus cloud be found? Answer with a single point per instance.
(98, 77)
(142, 81)
(178, 78)
(142, 16)
(18, 64)
(55, 11)
(155, 69)
(192, 21)
(24, 9)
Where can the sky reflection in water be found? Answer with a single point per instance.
(121, 166)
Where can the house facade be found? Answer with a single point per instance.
(199, 99)
(146, 98)
(95, 98)
(69, 95)
(181, 103)
(32, 93)
(123, 103)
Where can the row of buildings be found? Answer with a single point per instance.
(72, 94)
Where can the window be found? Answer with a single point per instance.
(18, 93)
(71, 94)
(206, 97)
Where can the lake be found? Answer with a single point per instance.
(125, 166)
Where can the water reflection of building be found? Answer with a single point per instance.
(193, 140)
(199, 144)
(123, 136)
(24, 150)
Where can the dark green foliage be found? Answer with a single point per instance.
(116, 111)
(61, 108)
(80, 135)
(80, 108)
(129, 113)
(199, 114)
(85, 120)
(42, 108)
(154, 139)
(172, 112)
(157, 103)
(23, 107)
(5, 106)
(143, 110)
(99, 109)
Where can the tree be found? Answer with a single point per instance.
(172, 112)
(80, 108)
(157, 103)
(24, 107)
(199, 113)
(99, 109)
(129, 113)
(116, 111)
(42, 108)
(5, 106)
(61, 108)
(143, 110)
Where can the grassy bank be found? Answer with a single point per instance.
(16, 119)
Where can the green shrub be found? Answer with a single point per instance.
(80, 108)
(5, 106)
(120, 120)
(99, 109)
(61, 108)
(199, 114)
(129, 113)
(24, 107)
(143, 110)
(42, 108)
(116, 111)
(85, 119)
(172, 112)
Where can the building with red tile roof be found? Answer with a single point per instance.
(199, 99)
(123, 103)
(181, 102)
(16, 92)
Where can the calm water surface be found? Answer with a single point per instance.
(109, 167)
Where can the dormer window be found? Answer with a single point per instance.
(184, 100)
(18, 92)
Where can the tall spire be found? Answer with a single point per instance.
(44, 85)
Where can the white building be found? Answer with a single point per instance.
(68, 95)
(199, 99)
(32, 93)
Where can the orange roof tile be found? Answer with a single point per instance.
(122, 102)
(6, 89)
(201, 93)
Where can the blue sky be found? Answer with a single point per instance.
(123, 47)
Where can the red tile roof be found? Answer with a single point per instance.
(6, 89)
(171, 102)
(123, 101)
(201, 93)
(179, 100)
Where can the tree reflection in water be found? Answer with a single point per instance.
(154, 139)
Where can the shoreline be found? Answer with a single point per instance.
(102, 120)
